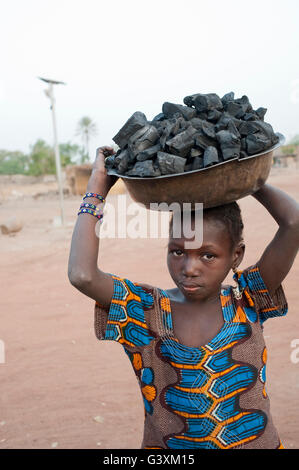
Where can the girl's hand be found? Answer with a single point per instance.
(99, 170)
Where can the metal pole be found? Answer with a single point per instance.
(57, 154)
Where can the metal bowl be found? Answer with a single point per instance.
(219, 184)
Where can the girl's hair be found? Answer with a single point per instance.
(229, 215)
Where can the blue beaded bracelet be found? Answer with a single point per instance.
(96, 213)
(89, 206)
(98, 196)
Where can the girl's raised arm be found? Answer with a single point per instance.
(279, 256)
(83, 271)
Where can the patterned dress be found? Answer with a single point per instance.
(208, 397)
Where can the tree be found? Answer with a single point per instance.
(86, 128)
(294, 140)
(69, 153)
(42, 159)
(13, 162)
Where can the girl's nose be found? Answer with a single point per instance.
(190, 268)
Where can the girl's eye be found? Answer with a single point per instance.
(176, 252)
(210, 255)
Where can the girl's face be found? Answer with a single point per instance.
(204, 268)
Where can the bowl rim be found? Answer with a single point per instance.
(281, 141)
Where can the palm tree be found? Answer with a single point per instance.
(86, 128)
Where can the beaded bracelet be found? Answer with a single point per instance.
(98, 196)
(89, 206)
(96, 213)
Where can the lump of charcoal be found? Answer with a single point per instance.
(208, 129)
(235, 109)
(197, 163)
(182, 143)
(123, 165)
(225, 119)
(197, 123)
(168, 132)
(203, 141)
(120, 155)
(244, 101)
(188, 167)
(261, 113)
(133, 124)
(229, 143)
(257, 143)
(204, 103)
(250, 116)
(210, 157)
(143, 169)
(170, 164)
(159, 117)
(169, 109)
(142, 139)
(110, 161)
(196, 153)
(228, 97)
(214, 115)
(149, 153)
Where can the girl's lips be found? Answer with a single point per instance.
(190, 288)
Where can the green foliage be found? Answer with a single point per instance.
(42, 159)
(287, 149)
(13, 163)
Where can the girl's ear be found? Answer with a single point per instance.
(239, 253)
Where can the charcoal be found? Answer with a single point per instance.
(231, 127)
(214, 115)
(244, 144)
(257, 143)
(250, 117)
(227, 98)
(197, 123)
(143, 169)
(120, 155)
(204, 103)
(123, 165)
(188, 167)
(224, 121)
(244, 102)
(235, 109)
(133, 124)
(210, 156)
(230, 144)
(203, 141)
(167, 133)
(261, 113)
(208, 129)
(170, 164)
(197, 163)
(149, 153)
(159, 117)
(182, 143)
(169, 109)
(110, 161)
(196, 153)
(243, 154)
(142, 139)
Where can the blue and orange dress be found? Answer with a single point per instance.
(210, 397)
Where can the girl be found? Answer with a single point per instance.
(197, 350)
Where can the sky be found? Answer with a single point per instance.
(118, 57)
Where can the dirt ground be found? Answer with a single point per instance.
(63, 388)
